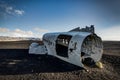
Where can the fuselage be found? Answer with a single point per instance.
(74, 47)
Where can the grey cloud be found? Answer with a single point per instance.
(9, 10)
(19, 12)
(4, 30)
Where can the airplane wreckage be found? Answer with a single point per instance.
(77, 46)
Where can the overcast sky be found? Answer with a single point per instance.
(33, 18)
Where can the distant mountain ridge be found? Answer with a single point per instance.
(7, 38)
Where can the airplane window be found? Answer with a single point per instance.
(62, 43)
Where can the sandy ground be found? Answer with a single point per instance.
(112, 47)
(19, 44)
(16, 64)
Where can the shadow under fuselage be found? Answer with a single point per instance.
(18, 61)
